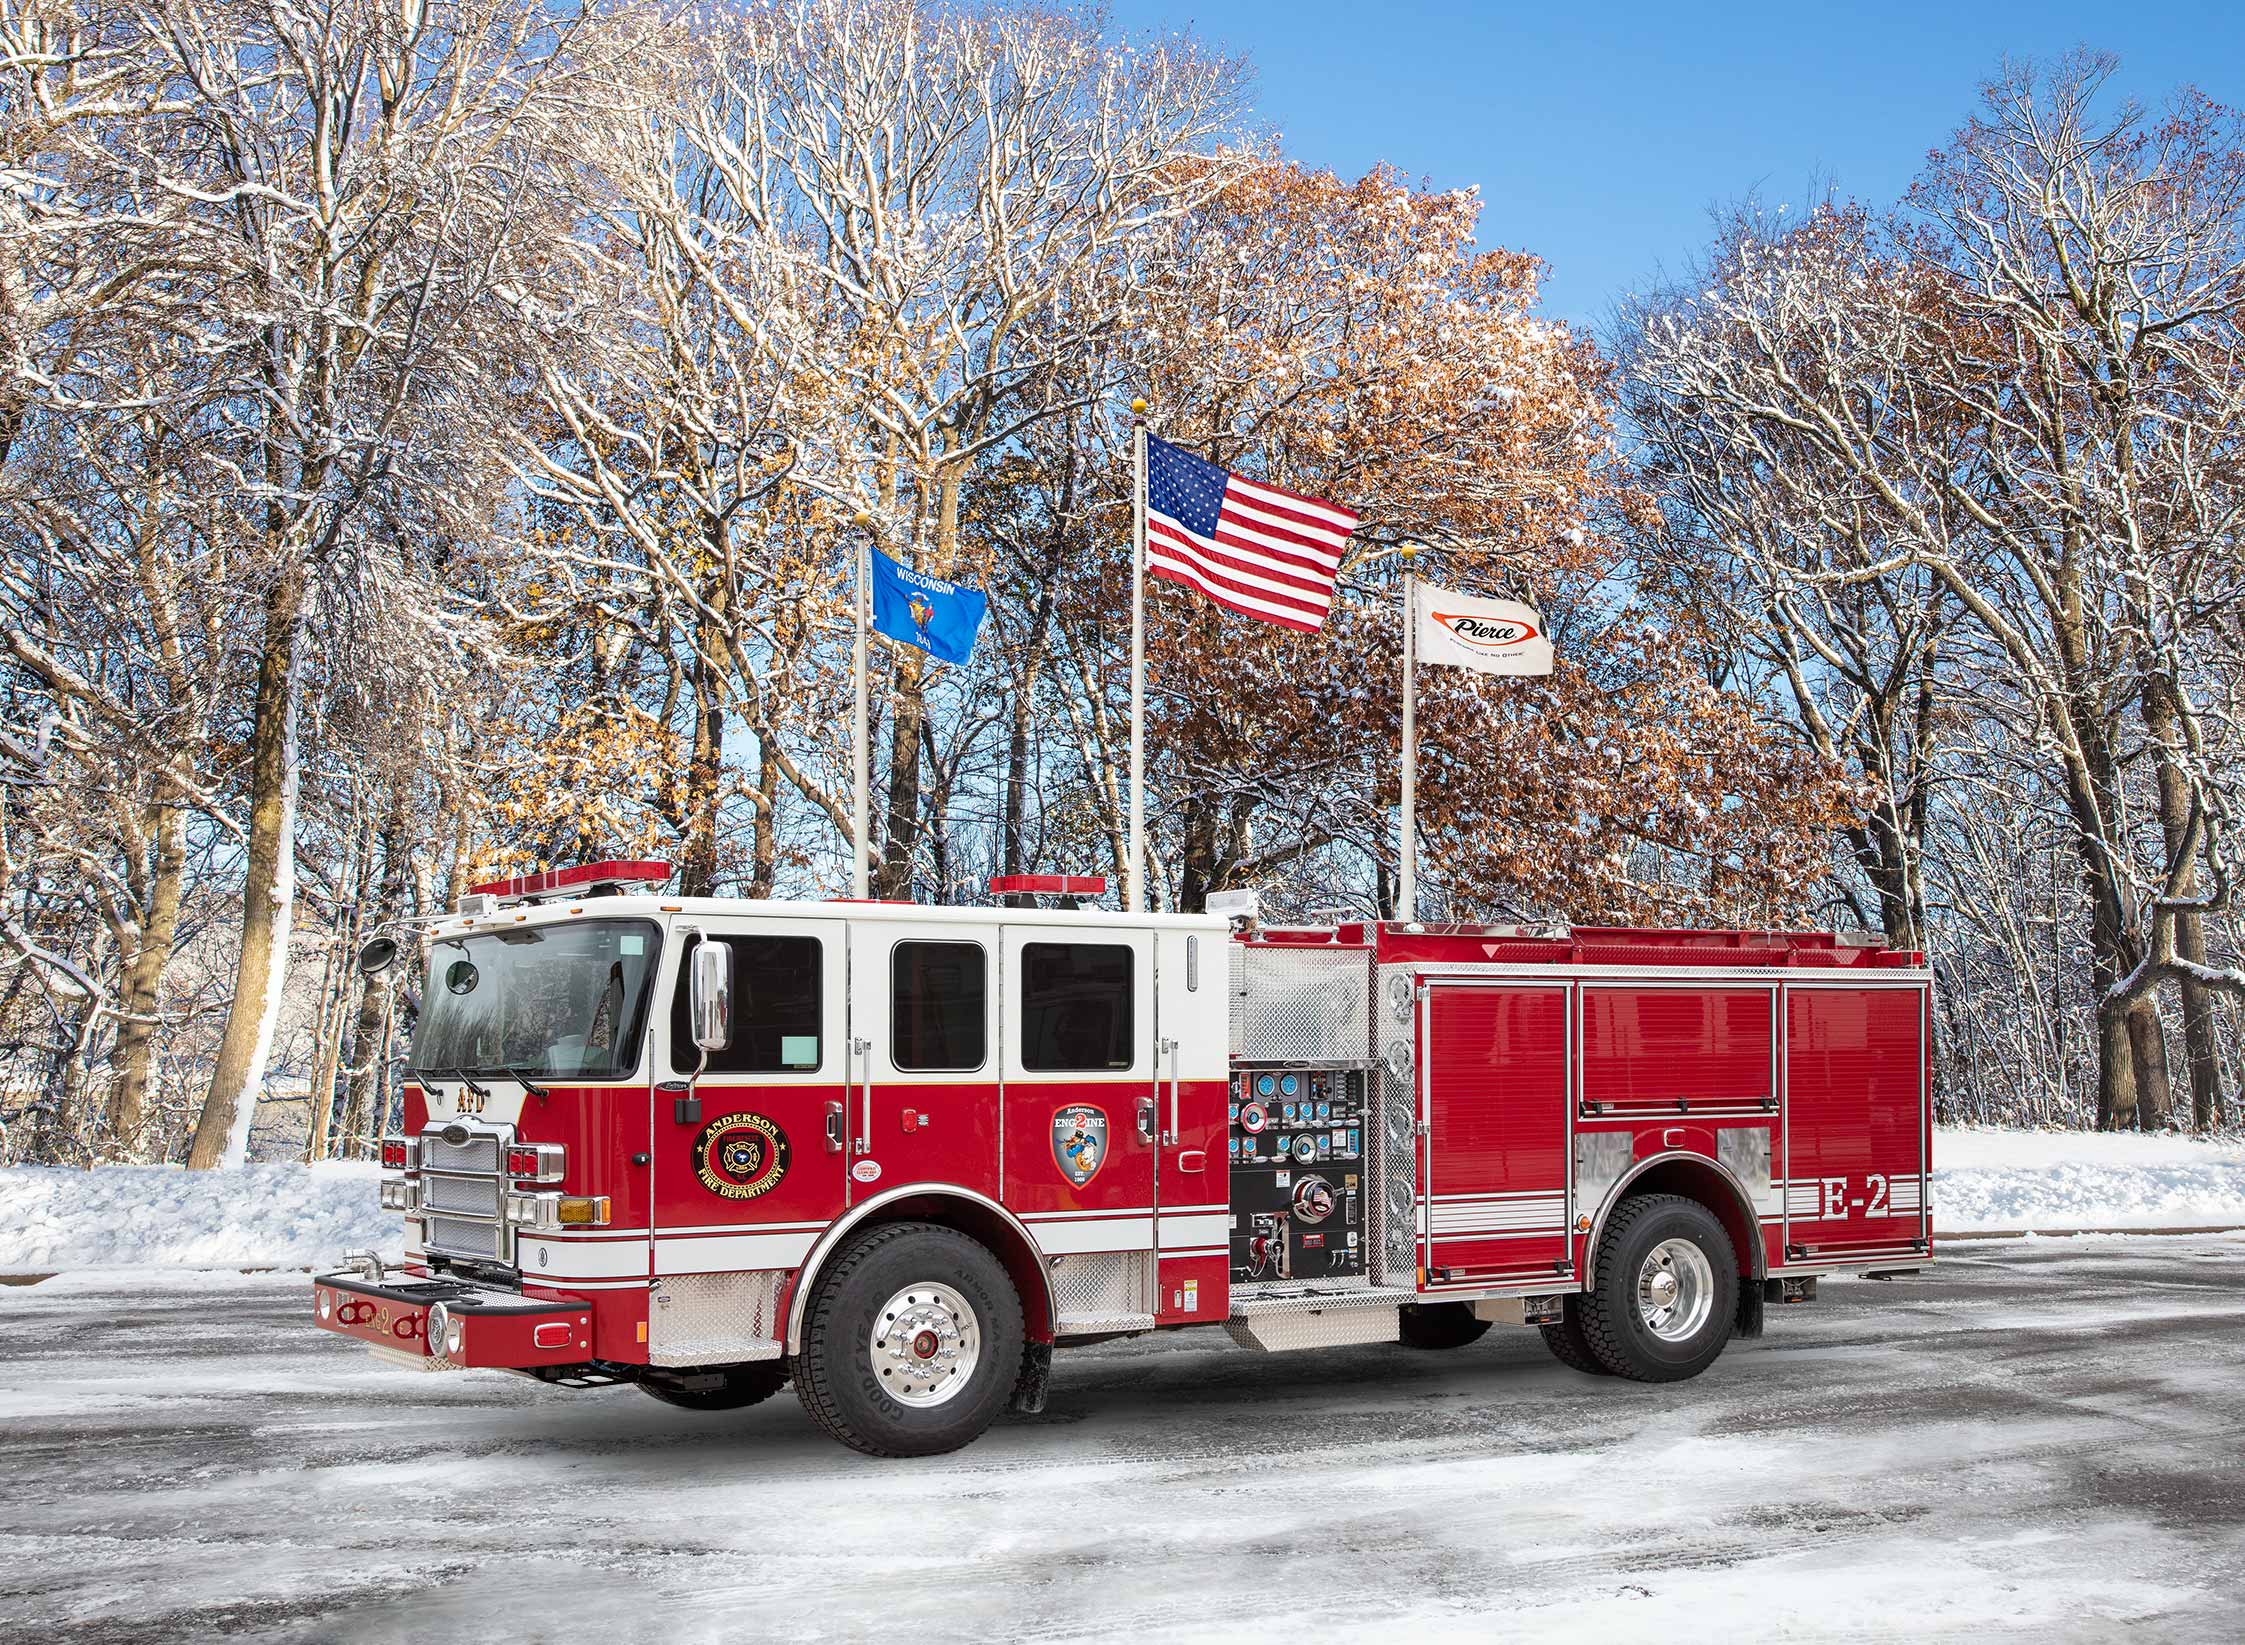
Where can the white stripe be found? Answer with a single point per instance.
(1276, 589)
(1109, 1211)
(1270, 556)
(1194, 1230)
(1199, 1251)
(1323, 554)
(1343, 520)
(585, 1261)
(741, 1227)
(739, 1254)
(1522, 1193)
(582, 1284)
(1058, 1239)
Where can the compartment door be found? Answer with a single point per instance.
(1494, 1101)
(1855, 1119)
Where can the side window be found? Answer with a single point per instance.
(1076, 1006)
(777, 1008)
(938, 1006)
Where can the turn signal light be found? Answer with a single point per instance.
(583, 1212)
(535, 1211)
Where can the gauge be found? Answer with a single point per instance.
(1288, 1085)
(1305, 1149)
(1253, 1116)
(1265, 1086)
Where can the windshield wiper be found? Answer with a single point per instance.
(460, 1074)
(520, 1078)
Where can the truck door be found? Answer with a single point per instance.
(1084, 1106)
(1854, 1145)
(924, 1013)
(1494, 1103)
(748, 1168)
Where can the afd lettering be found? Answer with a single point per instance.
(1486, 630)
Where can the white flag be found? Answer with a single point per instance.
(1494, 636)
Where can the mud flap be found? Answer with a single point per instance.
(1753, 1306)
(1030, 1387)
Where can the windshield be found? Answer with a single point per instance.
(552, 1001)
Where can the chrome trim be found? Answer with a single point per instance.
(806, 1275)
(1614, 1196)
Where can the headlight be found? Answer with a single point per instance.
(443, 1331)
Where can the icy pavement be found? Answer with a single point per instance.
(2033, 1441)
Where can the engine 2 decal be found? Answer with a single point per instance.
(740, 1156)
(1079, 1141)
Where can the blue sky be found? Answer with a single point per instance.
(1600, 136)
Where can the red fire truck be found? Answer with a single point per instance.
(898, 1154)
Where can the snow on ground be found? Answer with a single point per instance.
(293, 1216)
(1987, 1179)
(122, 1216)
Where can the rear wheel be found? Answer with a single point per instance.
(721, 1388)
(912, 1344)
(1568, 1345)
(1667, 1290)
(1439, 1325)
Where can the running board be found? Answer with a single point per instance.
(1101, 1325)
(1313, 1319)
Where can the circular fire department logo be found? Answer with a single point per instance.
(740, 1156)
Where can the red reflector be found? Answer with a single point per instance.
(553, 1335)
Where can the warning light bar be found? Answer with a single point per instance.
(591, 878)
(1048, 885)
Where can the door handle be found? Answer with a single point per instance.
(864, 1050)
(1170, 1137)
(1145, 1119)
(833, 1128)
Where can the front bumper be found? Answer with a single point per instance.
(495, 1329)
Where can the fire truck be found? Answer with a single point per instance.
(896, 1154)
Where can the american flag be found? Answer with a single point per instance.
(1251, 548)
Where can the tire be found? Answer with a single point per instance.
(721, 1388)
(1439, 1325)
(1569, 1346)
(887, 1393)
(1666, 1295)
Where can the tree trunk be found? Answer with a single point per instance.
(764, 843)
(2147, 1045)
(133, 1059)
(268, 889)
(2200, 1043)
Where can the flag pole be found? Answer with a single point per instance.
(1407, 890)
(1134, 876)
(860, 806)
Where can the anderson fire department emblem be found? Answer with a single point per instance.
(1079, 1142)
(739, 1156)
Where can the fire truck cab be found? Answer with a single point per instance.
(897, 1154)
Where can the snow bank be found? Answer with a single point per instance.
(123, 1216)
(1986, 1179)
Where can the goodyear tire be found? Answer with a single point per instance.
(1569, 1346)
(1666, 1295)
(1439, 1325)
(911, 1344)
(721, 1388)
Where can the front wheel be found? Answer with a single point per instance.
(725, 1388)
(912, 1344)
(1667, 1290)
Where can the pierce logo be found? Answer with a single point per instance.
(1487, 633)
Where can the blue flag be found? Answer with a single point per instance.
(940, 618)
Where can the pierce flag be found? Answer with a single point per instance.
(939, 617)
(1493, 636)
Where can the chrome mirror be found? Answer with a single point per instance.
(710, 992)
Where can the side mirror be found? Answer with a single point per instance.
(378, 956)
(710, 995)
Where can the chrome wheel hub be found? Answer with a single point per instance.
(926, 1343)
(1675, 1290)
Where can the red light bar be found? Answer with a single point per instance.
(585, 876)
(1050, 885)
